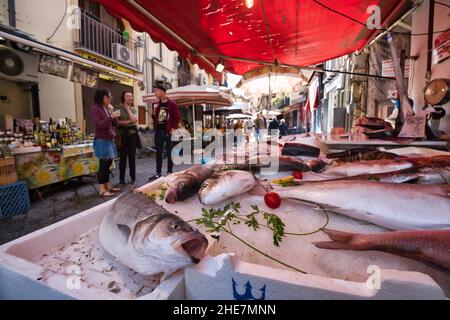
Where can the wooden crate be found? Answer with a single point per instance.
(8, 172)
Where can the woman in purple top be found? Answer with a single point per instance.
(105, 121)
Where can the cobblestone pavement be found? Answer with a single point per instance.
(63, 200)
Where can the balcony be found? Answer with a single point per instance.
(102, 40)
(281, 102)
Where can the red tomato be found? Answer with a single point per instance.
(272, 200)
(298, 175)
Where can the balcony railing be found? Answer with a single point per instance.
(281, 103)
(103, 40)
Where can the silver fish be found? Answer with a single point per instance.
(225, 184)
(188, 182)
(434, 175)
(147, 238)
(393, 206)
(369, 167)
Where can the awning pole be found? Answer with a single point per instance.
(193, 116)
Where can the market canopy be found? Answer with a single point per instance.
(193, 94)
(293, 32)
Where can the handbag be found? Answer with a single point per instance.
(118, 141)
(138, 142)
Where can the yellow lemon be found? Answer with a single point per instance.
(77, 168)
(43, 176)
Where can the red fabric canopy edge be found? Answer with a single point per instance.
(141, 23)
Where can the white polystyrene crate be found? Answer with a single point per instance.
(44, 265)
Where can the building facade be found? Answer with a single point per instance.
(86, 29)
(364, 83)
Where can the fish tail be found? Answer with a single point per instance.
(341, 240)
(333, 245)
(339, 236)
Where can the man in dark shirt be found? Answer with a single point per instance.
(166, 119)
(274, 126)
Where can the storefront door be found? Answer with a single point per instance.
(116, 90)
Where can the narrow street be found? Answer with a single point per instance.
(66, 199)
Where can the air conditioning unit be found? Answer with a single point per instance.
(18, 66)
(122, 53)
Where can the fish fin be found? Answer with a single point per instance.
(125, 230)
(166, 274)
(333, 245)
(338, 236)
(258, 190)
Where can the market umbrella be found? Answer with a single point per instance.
(194, 95)
(187, 95)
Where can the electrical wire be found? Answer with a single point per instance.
(60, 22)
(267, 29)
(442, 4)
(380, 29)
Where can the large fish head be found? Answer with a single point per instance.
(181, 188)
(169, 239)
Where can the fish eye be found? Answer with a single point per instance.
(175, 226)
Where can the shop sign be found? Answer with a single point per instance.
(85, 76)
(387, 68)
(442, 47)
(112, 65)
(54, 66)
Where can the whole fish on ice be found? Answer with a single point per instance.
(393, 206)
(299, 149)
(188, 182)
(149, 239)
(225, 184)
(368, 167)
(425, 245)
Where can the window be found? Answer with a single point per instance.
(90, 8)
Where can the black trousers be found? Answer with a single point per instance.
(103, 170)
(128, 151)
(161, 138)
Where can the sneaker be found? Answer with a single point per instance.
(156, 176)
(132, 182)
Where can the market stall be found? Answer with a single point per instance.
(47, 152)
(48, 166)
(281, 249)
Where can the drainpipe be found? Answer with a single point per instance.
(12, 13)
(152, 59)
(430, 40)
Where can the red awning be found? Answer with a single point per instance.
(296, 32)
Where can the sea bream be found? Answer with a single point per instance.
(147, 238)
(225, 184)
(432, 246)
(393, 206)
(368, 167)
